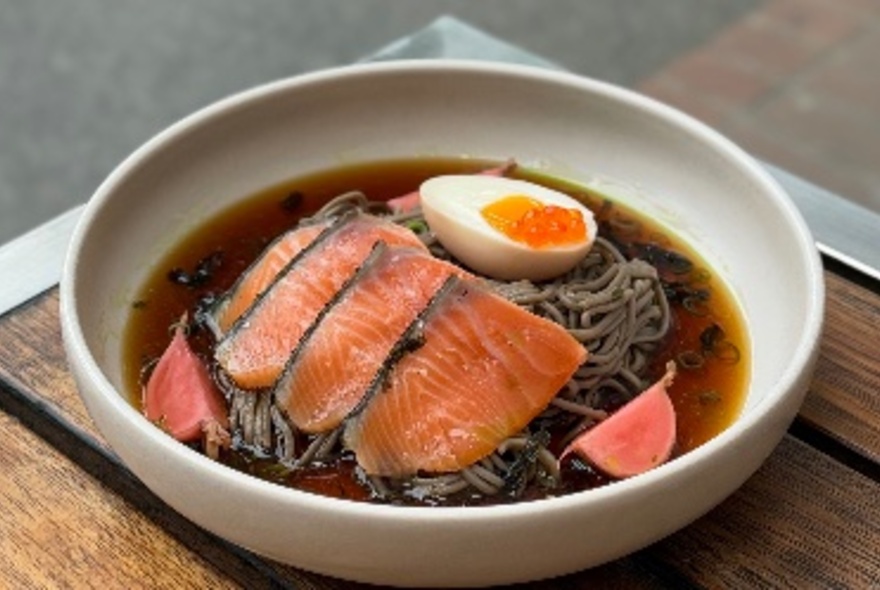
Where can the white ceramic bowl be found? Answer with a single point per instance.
(646, 154)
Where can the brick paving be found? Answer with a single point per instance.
(796, 83)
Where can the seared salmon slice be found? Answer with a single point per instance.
(262, 272)
(258, 344)
(482, 368)
(341, 353)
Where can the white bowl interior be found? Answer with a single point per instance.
(646, 155)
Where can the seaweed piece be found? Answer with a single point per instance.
(201, 274)
(517, 476)
(292, 202)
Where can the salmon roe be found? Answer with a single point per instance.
(528, 221)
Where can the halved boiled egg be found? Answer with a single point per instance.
(507, 229)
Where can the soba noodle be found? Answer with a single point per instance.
(615, 307)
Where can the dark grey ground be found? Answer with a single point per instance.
(84, 82)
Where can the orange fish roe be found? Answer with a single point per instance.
(530, 222)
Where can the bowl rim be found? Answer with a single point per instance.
(801, 358)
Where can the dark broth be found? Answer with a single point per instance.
(709, 390)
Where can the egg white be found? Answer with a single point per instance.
(451, 205)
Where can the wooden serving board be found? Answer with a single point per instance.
(75, 516)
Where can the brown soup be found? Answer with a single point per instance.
(707, 337)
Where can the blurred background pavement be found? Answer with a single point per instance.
(82, 84)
